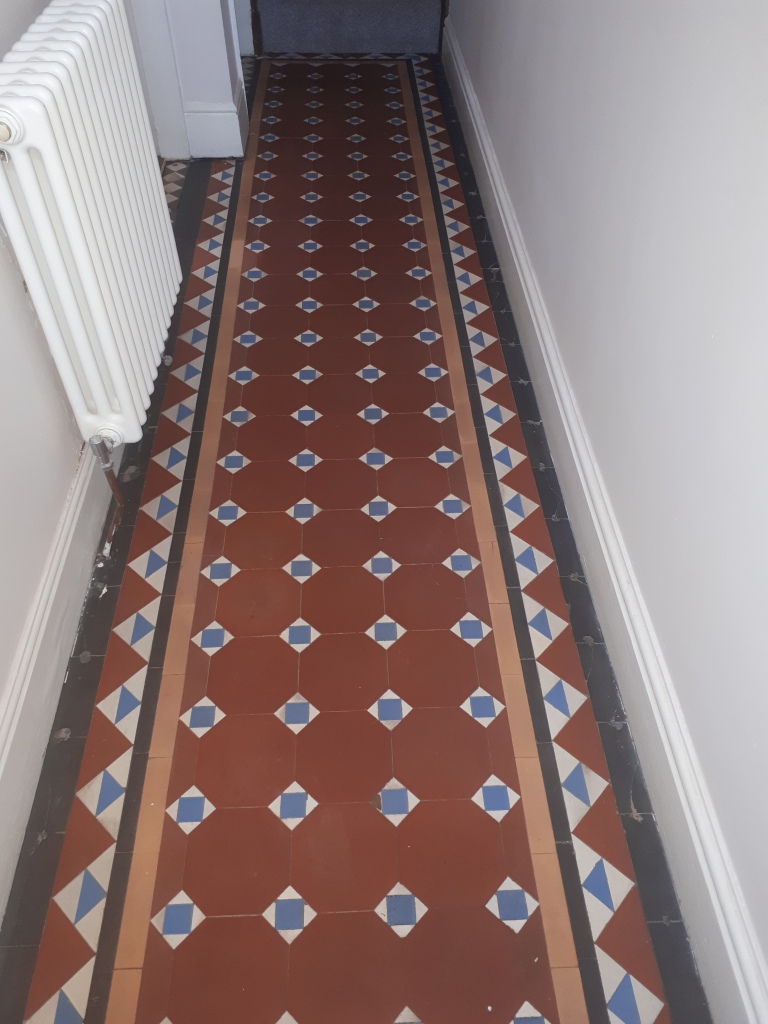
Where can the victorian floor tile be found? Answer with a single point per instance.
(361, 755)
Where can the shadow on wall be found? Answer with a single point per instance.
(348, 26)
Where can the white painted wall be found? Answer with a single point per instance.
(189, 57)
(623, 150)
(208, 64)
(51, 510)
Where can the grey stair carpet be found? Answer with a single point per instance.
(349, 26)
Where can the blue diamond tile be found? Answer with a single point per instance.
(234, 462)
(293, 805)
(396, 801)
(220, 571)
(202, 717)
(177, 919)
(191, 809)
(481, 706)
(401, 910)
(306, 460)
(495, 797)
(390, 709)
(299, 635)
(381, 565)
(301, 568)
(512, 905)
(289, 915)
(375, 458)
(303, 511)
(297, 713)
(445, 456)
(461, 563)
(385, 632)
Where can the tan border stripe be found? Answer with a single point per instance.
(554, 911)
(132, 940)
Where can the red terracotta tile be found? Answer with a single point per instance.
(533, 530)
(344, 671)
(268, 487)
(272, 395)
(339, 393)
(246, 761)
(344, 756)
(155, 980)
(267, 540)
(271, 437)
(258, 602)
(258, 855)
(340, 436)
(441, 753)
(339, 355)
(562, 658)
(184, 763)
(341, 538)
(425, 597)
(404, 392)
(120, 663)
(346, 968)
(500, 746)
(601, 829)
(341, 484)
(344, 857)
(580, 737)
(625, 938)
(418, 535)
(253, 675)
(548, 591)
(249, 961)
(401, 355)
(332, 289)
(272, 356)
(432, 668)
(451, 854)
(342, 599)
(279, 321)
(104, 745)
(61, 955)
(517, 854)
(170, 865)
(278, 290)
(342, 320)
(135, 594)
(85, 840)
(401, 320)
(400, 287)
(460, 962)
(413, 482)
(408, 435)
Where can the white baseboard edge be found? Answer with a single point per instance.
(37, 674)
(220, 132)
(731, 962)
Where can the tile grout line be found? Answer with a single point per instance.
(558, 935)
(124, 992)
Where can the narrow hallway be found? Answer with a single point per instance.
(342, 787)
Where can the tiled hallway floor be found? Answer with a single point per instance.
(349, 804)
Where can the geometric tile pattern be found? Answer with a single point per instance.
(59, 993)
(581, 763)
(343, 711)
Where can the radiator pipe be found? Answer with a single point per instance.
(101, 447)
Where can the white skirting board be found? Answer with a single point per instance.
(731, 962)
(37, 673)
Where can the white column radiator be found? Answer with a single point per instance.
(82, 202)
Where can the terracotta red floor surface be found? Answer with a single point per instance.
(343, 819)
